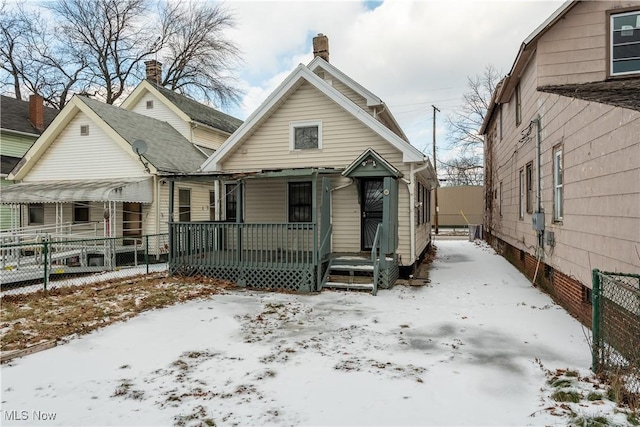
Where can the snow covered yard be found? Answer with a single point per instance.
(478, 346)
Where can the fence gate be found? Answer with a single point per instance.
(616, 326)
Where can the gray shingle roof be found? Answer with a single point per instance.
(199, 112)
(167, 149)
(620, 93)
(14, 115)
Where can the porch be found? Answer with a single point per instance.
(289, 255)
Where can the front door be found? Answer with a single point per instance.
(131, 222)
(371, 210)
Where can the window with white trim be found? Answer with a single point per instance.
(80, 212)
(558, 180)
(518, 105)
(529, 183)
(624, 43)
(184, 204)
(305, 135)
(521, 205)
(36, 214)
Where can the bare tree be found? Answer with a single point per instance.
(98, 47)
(462, 171)
(198, 55)
(111, 36)
(464, 125)
(13, 33)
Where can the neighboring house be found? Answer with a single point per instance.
(320, 168)
(459, 206)
(21, 123)
(562, 151)
(98, 169)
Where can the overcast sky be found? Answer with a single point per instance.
(412, 54)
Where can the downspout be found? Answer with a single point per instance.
(538, 177)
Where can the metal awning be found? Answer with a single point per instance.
(117, 190)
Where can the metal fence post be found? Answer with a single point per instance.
(146, 252)
(595, 321)
(45, 255)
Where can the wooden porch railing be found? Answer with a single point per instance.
(217, 244)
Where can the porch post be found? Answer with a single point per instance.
(239, 219)
(172, 248)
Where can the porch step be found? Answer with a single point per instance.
(349, 286)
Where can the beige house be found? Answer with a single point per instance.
(459, 206)
(562, 151)
(98, 170)
(321, 159)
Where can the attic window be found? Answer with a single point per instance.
(305, 135)
(625, 43)
(84, 130)
(150, 105)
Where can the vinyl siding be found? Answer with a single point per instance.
(95, 156)
(208, 138)
(344, 137)
(162, 112)
(15, 145)
(348, 92)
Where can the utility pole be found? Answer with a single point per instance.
(435, 169)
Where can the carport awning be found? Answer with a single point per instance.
(130, 190)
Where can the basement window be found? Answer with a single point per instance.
(84, 130)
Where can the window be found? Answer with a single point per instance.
(529, 183)
(423, 203)
(300, 203)
(625, 43)
(305, 135)
(518, 106)
(212, 205)
(231, 202)
(36, 214)
(84, 130)
(184, 205)
(150, 105)
(557, 184)
(521, 205)
(80, 212)
(428, 212)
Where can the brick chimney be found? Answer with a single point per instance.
(36, 111)
(154, 71)
(321, 46)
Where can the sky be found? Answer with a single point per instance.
(411, 54)
(478, 345)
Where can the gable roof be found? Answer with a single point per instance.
(187, 108)
(287, 87)
(14, 116)
(508, 84)
(362, 161)
(371, 99)
(167, 150)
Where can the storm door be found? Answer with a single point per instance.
(371, 210)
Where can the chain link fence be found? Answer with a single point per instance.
(616, 327)
(46, 263)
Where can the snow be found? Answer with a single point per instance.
(472, 348)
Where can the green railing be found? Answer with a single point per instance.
(375, 258)
(273, 256)
(324, 258)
